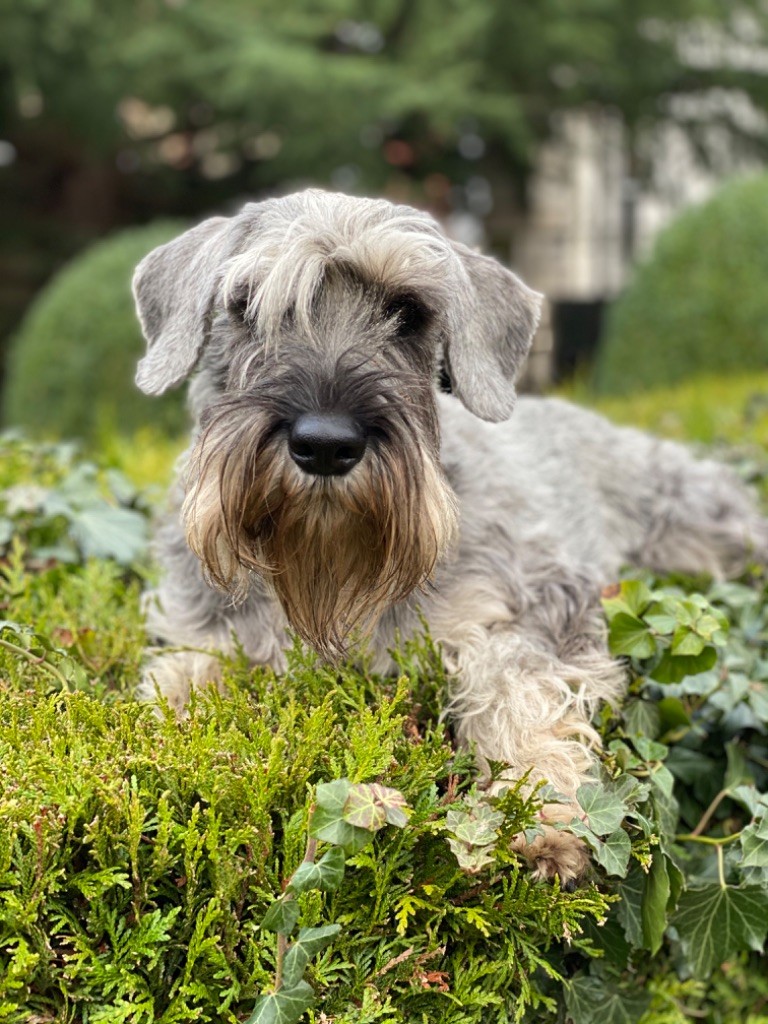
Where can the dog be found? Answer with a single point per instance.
(333, 489)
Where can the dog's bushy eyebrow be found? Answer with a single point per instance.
(412, 315)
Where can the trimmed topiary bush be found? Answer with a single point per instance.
(699, 304)
(71, 365)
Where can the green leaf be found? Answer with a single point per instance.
(591, 1001)
(714, 922)
(476, 824)
(613, 853)
(672, 713)
(309, 942)
(654, 905)
(737, 772)
(283, 1007)
(471, 858)
(281, 916)
(749, 797)
(377, 804)
(641, 718)
(633, 598)
(754, 845)
(630, 636)
(607, 935)
(673, 668)
(629, 910)
(326, 875)
(661, 618)
(686, 642)
(362, 810)
(105, 532)
(328, 821)
(650, 750)
(605, 810)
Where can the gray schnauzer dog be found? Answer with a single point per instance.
(331, 488)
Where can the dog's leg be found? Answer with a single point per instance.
(172, 676)
(513, 701)
(525, 688)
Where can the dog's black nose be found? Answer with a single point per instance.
(326, 443)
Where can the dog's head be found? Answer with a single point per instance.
(318, 323)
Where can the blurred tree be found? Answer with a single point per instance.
(114, 112)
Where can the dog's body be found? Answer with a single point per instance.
(327, 479)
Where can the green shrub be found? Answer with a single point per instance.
(699, 303)
(71, 365)
(140, 856)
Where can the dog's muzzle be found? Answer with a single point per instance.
(326, 443)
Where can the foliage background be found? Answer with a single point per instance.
(112, 114)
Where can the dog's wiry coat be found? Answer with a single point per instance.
(500, 532)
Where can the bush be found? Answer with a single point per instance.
(71, 365)
(699, 304)
(141, 859)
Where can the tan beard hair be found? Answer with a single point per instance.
(336, 552)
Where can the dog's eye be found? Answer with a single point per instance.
(237, 306)
(408, 315)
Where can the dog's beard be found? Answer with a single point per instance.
(337, 551)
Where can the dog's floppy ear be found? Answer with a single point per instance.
(490, 339)
(175, 289)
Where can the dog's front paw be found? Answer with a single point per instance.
(174, 675)
(556, 852)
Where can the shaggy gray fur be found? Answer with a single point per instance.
(297, 303)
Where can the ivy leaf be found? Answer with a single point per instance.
(661, 618)
(749, 797)
(309, 942)
(685, 641)
(654, 906)
(630, 636)
(650, 750)
(284, 1006)
(605, 810)
(328, 821)
(372, 806)
(672, 713)
(476, 824)
(104, 532)
(629, 909)
(281, 916)
(641, 718)
(633, 598)
(613, 853)
(326, 875)
(394, 804)
(754, 845)
(673, 668)
(471, 858)
(714, 922)
(590, 1001)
